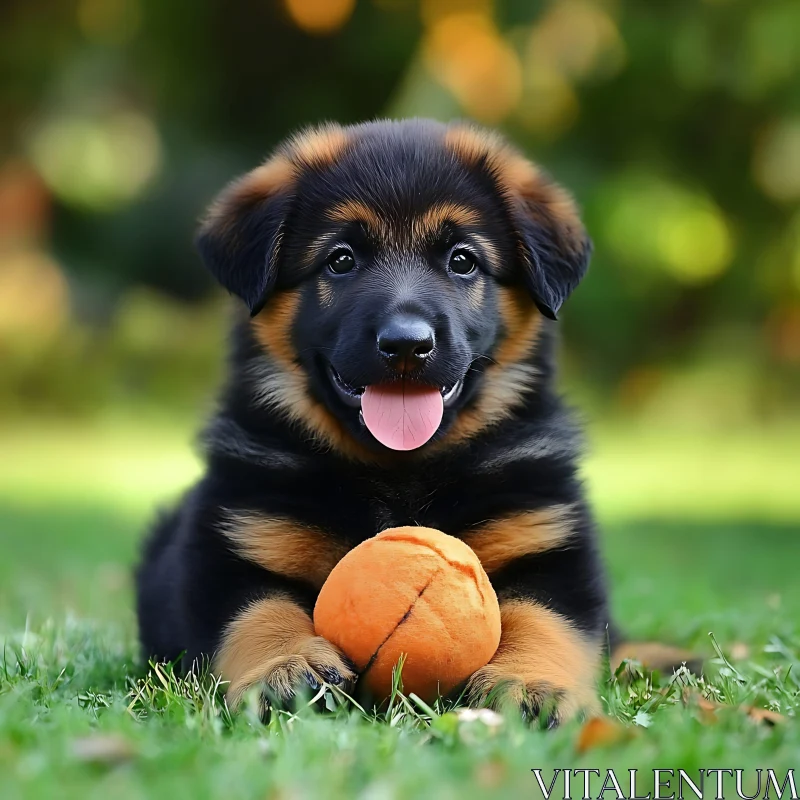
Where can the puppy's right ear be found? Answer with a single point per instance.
(239, 239)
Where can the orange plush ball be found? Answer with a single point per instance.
(415, 591)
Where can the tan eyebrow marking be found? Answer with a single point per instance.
(422, 228)
(430, 222)
(356, 211)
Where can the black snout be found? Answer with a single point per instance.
(406, 339)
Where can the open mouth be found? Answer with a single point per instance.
(349, 395)
(400, 414)
(352, 395)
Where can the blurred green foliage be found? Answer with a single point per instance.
(677, 125)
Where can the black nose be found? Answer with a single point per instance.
(405, 337)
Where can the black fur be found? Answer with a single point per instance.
(191, 583)
(244, 258)
(553, 270)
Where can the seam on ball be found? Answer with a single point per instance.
(402, 619)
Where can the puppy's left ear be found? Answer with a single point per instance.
(239, 239)
(555, 248)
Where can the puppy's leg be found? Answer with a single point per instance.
(543, 666)
(548, 577)
(271, 643)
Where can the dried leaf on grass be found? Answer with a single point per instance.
(601, 732)
(708, 709)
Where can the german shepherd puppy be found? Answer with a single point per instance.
(395, 368)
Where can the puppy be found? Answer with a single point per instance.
(408, 265)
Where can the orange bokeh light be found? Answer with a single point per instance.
(467, 55)
(320, 16)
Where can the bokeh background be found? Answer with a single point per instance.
(677, 125)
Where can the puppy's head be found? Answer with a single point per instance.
(397, 274)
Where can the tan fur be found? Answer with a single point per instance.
(522, 180)
(287, 391)
(491, 252)
(272, 642)
(356, 211)
(284, 384)
(499, 542)
(417, 231)
(283, 546)
(273, 327)
(541, 199)
(430, 222)
(319, 147)
(508, 377)
(324, 292)
(315, 148)
(541, 655)
(476, 291)
(522, 322)
(316, 247)
(270, 178)
(471, 145)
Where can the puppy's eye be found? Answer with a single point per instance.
(340, 261)
(462, 262)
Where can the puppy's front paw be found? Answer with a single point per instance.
(532, 699)
(271, 644)
(316, 662)
(544, 666)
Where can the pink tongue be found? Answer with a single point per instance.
(402, 416)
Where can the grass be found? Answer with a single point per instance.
(707, 547)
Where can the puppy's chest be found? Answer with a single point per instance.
(392, 506)
(434, 503)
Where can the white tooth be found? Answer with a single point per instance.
(451, 393)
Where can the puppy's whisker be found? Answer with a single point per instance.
(307, 349)
(476, 359)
